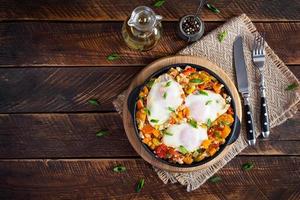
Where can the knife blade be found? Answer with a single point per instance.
(243, 87)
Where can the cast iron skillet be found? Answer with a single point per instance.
(231, 138)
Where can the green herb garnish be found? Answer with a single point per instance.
(102, 133)
(203, 92)
(292, 86)
(140, 185)
(218, 134)
(196, 80)
(208, 102)
(193, 123)
(212, 8)
(119, 168)
(222, 35)
(150, 83)
(208, 123)
(154, 120)
(167, 133)
(182, 149)
(215, 179)
(165, 95)
(168, 83)
(224, 123)
(171, 109)
(112, 57)
(93, 102)
(159, 3)
(147, 111)
(247, 166)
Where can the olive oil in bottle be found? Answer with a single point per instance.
(143, 29)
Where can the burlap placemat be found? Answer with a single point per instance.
(282, 104)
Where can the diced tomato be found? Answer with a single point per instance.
(230, 111)
(188, 70)
(172, 152)
(161, 151)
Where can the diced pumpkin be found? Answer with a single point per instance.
(217, 87)
(141, 115)
(155, 141)
(199, 157)
(146, 140)
(186, 112)
(148, 129)
(212, 151)
(172, 120)
(226, 118)
(156, 133)
(190, 89)
(205, 144)
(188, 160)
(140, 104)
(225, 132)
(145, 90)
(180, 115)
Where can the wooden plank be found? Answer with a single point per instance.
(88, 44)
(259, 10)
(62, 89)
(74, 136)
(65, 89)
(271, 178)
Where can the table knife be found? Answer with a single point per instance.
(243, 87)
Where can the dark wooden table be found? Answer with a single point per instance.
(53, 60)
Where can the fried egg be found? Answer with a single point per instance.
(164, 96)
(206, 106)
(184, 135)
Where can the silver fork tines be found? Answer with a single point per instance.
(258, 52)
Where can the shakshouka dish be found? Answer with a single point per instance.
(184, 115)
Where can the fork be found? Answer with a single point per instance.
(258, 58)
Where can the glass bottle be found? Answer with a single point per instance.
(143, 29)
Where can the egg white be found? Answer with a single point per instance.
(185, 135)
(206, 107)
(164, 95)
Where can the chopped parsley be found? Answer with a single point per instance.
(147, 111)
(292, 86)
(208, 102)
(168, 83)
(182, 149)
(196, 80)
(154, 120)
(247, 166)
(203, 92)
(171, 109)
(165, 95)
(222, 35)
(119, 168)
(167, 133)
(193, 123)
(208, 123)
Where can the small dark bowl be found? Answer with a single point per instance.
(231, 138)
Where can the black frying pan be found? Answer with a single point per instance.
(235, 128)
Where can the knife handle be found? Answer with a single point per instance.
(249, 124)
(264, 116)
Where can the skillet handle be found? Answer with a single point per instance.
(131, 101)
(235, 131)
